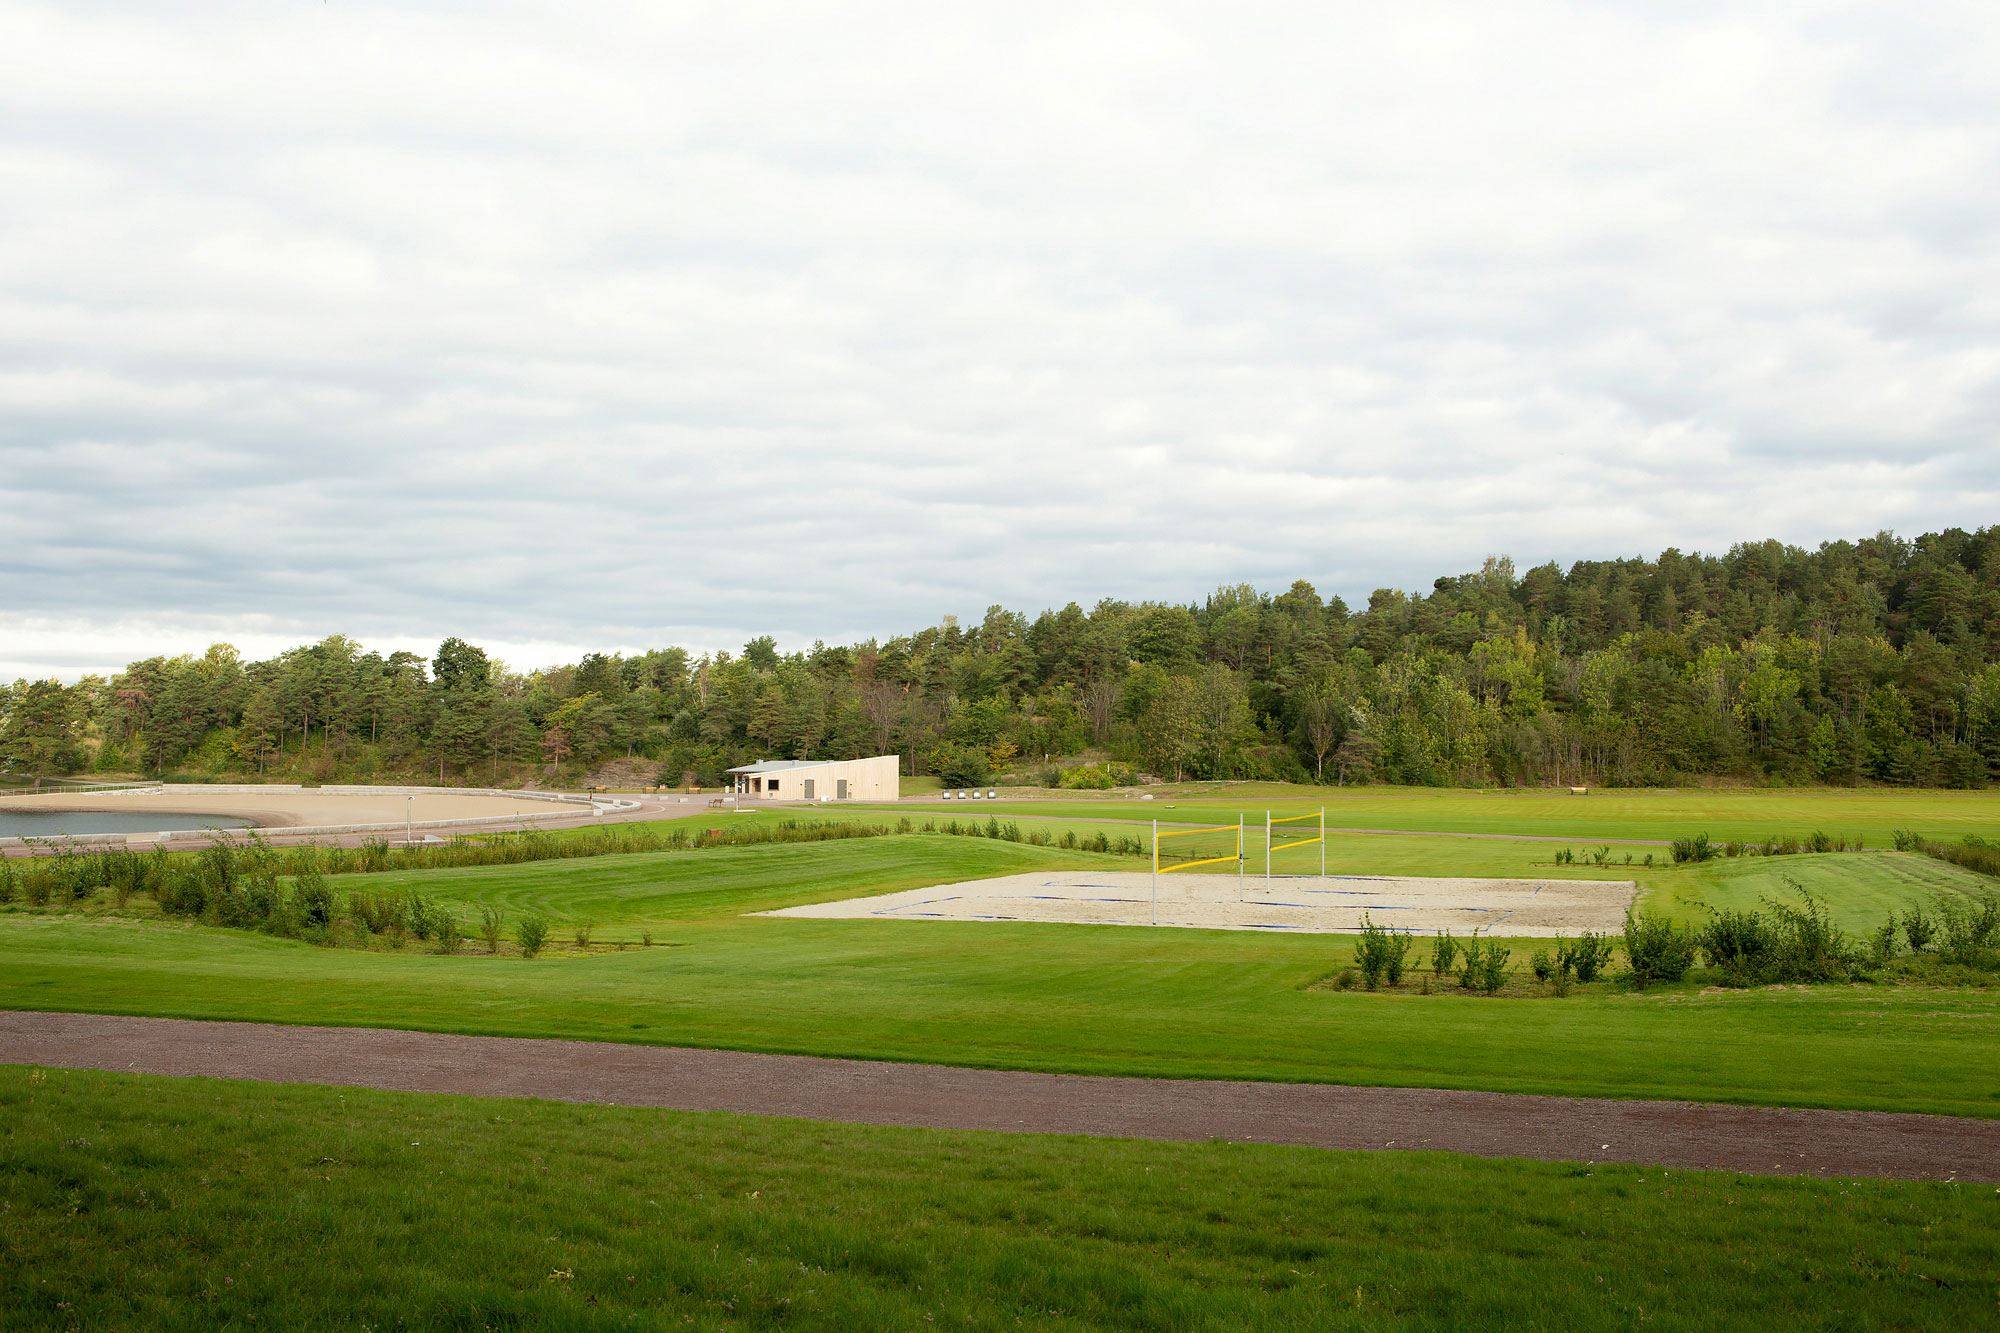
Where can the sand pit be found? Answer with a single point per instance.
(291, 807)
(1334, 905)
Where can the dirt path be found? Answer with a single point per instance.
(1761, 1140)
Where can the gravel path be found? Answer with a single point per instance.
(1761, 1140)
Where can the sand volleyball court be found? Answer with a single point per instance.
(1308, 904)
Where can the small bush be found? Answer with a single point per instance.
(1656, 949)
(646, 938)
(1587, 955)
(1808, 946)
(531, 934)
(1918, 928)
(1697, 848)
(1740, 944)
(1471, 955)
(1968, 930)
(1371, 953)
(1444, 951)
(1493, 970)
(1543, 966)
(582, 935)
(1882, 944)
(489, 926)
(1344, 979)
(312, 898)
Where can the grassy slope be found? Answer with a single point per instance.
(1859, 888)
(1083, 999)
(1648, 815)
(129, 1201)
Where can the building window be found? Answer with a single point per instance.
(772, 784)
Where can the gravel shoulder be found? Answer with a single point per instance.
(1689, 1135)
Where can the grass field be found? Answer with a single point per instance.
(1659, 816)
(128, 1201)
(1080, 999)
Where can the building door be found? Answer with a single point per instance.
(840, 788)
(809, 789)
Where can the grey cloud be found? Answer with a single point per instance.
(657, 324)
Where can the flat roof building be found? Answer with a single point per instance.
(878, 778)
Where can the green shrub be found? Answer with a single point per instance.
(1968, 930)
(1918, 928)
(312, 897)
(1381, 953)
(1542, 965)
(582, 935)
(1807, 945)
(1697, 848)
(531, 934)
(489, 926)
(1882, 943)
(1587, 955)
(1444, 951)
(1656, 949)
(1739, 943)
(1471, 957)
(1493, 970)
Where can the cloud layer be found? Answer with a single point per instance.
(601, 326)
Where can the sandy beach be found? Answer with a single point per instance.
(180, 807)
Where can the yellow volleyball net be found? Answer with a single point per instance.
(1220, 844)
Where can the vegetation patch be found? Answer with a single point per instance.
(133, 1201)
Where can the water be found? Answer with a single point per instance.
(53, 823)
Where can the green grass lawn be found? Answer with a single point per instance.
(1086, 999)
(1656, 815)
(128, 1201)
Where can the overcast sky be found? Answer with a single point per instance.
(564, 327)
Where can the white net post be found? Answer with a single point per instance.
(1239, 856)
(1267, 853)
(1322, 842)
(1156, 872)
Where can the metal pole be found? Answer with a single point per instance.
(1239, 856)
(409, 835)
(1267, 853)
(1322, 842)
(1156, 872)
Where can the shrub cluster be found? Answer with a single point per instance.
(1786, 942)
(1381, 953)
(1975, 854)
(1700, 848)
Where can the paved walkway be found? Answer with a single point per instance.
(1762, 1140)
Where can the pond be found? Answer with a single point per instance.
(54, 823)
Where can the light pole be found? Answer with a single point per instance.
(409, 833)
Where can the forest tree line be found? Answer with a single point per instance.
(1874, 661)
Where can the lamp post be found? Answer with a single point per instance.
(409, 834)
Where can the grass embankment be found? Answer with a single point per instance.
(1658, 816)
(1083, 999)
(131, 1201)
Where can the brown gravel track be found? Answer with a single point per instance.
(1762, 1140)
